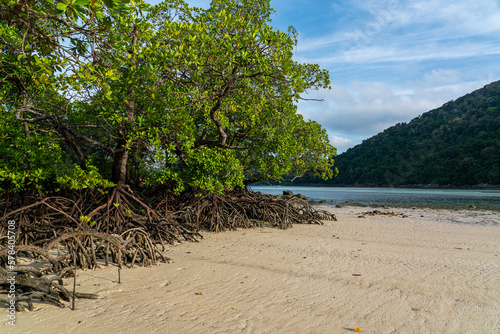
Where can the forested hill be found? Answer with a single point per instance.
(456, 144)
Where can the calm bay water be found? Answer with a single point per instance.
(397, 197)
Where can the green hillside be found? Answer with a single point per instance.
(457, 144)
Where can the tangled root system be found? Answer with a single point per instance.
(86, 230)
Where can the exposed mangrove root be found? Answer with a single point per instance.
(85, 230)
(89, 246)
(243, 209)
(28, 288)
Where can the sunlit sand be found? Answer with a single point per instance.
(433, 272)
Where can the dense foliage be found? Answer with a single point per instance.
(97, 94)
(456, 144)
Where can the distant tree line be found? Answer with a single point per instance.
(456, 144)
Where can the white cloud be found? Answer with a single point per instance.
(341, 143)
(363, 109)
(464, 18)
(443, 85)
(397, 31)
(441, 77)
(403, 51)
(460, 17)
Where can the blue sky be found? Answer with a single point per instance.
(389, 60)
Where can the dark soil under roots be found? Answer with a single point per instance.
(85, 230)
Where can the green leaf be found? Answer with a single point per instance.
(99, 15)
(127, 7)
(81, 2)
(61, 6)
(109, 3)
(77, 12)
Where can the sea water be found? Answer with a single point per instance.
(397, 197)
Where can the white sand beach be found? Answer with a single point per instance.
(437, 271)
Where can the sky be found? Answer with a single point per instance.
(389, 60)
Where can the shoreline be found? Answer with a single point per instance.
(451, 210)
(385, 197)
(436, 271)
(481, 186)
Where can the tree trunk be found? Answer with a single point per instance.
(75, 148)
(119, 172)
(25, 114)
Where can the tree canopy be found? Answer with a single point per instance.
(97, 94)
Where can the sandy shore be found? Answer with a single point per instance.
(433, 272)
